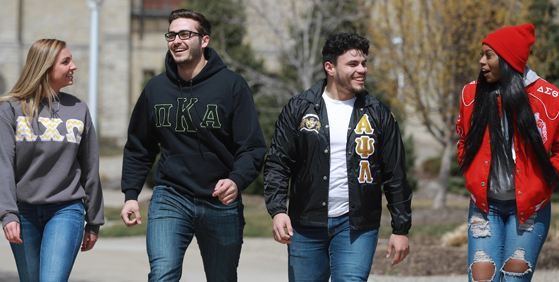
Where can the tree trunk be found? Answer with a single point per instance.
(444, 174)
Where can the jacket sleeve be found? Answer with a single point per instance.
(140, 150)
(8, 197)
(248, 139)
(555, 145)
(280, 161)
(88, 158)
(555, 152)
(396, 187)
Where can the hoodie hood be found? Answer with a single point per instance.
(214, 65)
(530, 76)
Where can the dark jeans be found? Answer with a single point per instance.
(173, 219)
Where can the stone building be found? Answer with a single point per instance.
(131, 50)
(131, 47)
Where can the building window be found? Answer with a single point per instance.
(148, 74)
(3, 89)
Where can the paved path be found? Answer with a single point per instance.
(262, 259)
(125, 259)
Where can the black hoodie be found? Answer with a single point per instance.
(206, 129)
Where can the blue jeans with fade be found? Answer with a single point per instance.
(51, 235)
(174, 218)
(499, 236)
(316, 253)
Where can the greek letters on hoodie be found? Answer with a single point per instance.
(206, 130)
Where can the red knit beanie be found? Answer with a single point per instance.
(512, 43)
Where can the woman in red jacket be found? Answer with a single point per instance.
(508, 127)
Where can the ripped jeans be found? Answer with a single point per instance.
(499, 236)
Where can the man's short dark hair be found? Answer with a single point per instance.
(204, 26)
(337, 44)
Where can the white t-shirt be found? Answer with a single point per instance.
(339, 115)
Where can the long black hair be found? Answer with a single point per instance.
(515, 105)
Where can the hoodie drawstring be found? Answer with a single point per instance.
(195, 127)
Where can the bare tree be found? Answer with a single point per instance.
(300, 28)
(437, 55)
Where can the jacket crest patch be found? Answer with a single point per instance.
(310, 122)
(542, 127)
(460, 131)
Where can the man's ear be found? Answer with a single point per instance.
(330, 68)
(205, 41)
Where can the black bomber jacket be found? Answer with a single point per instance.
(299, 160)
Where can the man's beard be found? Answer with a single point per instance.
(346, 84)
(195, 54)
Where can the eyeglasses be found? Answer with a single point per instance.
(183, 35)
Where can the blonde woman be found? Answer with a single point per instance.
(49, 166)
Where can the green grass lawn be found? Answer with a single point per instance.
(259, 223)
(115, 227)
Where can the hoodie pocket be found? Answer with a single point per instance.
(194, 170)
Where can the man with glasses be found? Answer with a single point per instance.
(201, 117)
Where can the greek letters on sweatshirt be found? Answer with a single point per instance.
(206, 130)
(51, 159)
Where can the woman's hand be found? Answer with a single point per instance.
(13, 233)
(89, 241)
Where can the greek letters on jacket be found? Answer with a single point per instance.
(364, 141)
(364, 147)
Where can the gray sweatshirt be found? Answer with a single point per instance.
(50, 160)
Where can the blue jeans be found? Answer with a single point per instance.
(315, 253)
(173, 219)
(499, 236)
(51, 235)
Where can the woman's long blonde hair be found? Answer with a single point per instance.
(33, 83)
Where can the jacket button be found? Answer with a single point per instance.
(323, 204)
(349, 128)
(518, 171)
(326, 151)
(482, 184)
(485, 210)
(327, 126)
(325, 177)
(486, 163)
(519, 192)
(521, 213)
(483, 204)
(522, 218)
(361, 109)
(316, 105)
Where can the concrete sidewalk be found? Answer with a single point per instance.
(262, 259)
(125, 259)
